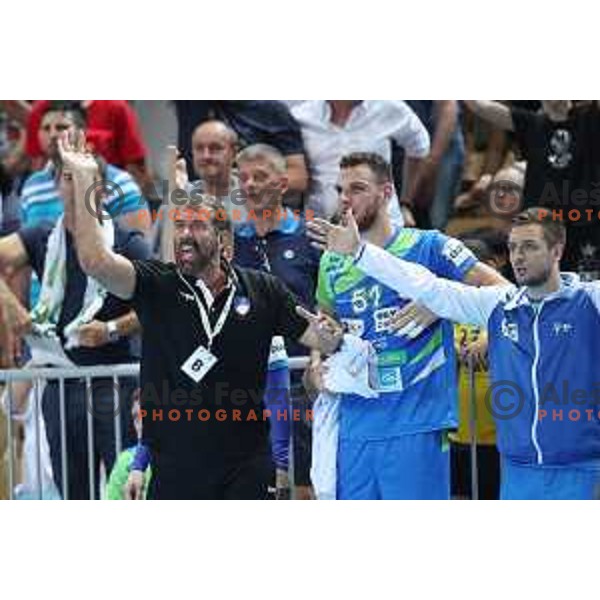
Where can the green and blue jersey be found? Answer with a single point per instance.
(416, 377)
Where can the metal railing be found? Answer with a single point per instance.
(42, 376)
(39, 376)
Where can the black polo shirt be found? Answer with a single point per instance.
(211, 423)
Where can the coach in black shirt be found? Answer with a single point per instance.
(207, 330)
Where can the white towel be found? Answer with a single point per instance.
(350, 371)
(323, 470)
(46, 312)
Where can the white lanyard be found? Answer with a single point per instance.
(212, 333)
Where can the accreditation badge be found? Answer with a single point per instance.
(200, 362)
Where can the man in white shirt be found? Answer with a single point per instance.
(333, 128)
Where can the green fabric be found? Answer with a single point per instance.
(332, 263)
(324, 291)
(120, 474)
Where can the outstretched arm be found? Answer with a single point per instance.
(448, 299)
(113, 271)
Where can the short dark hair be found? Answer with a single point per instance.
(378, 165)
(219, 217)
(553, 228)
(73, 107)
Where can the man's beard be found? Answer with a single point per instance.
(203, 256)
(537, 279)
(368, 218)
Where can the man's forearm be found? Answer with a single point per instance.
(495, 112)
(482, 274)
(496, 151)
(414, 167)
(91, 250)
(297, 173)
(446, 113)
(8, 298)
(16, 314)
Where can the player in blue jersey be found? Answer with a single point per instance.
(394, 447)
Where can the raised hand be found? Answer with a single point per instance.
(75, 155)
(474, 351)
(181, 174)
(343, 239)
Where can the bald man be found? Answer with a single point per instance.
(214, 147)
(213, 153)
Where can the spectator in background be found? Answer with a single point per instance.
(14, 169)
(442, 170)
(334, 128)
(112, 129)
(254, 122)
(76, 323)
(490, 203)
(561, 145)
(507, 185)
(276, 243)
(214, 146)
(40, 199)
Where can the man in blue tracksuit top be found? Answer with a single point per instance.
(544, 343)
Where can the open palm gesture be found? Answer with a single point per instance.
(343, 239)
(75, 155)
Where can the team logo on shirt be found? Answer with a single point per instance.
(188, 297)
(383, 319)
(510, 331)
(390, 379)
(289, 254)
(456, 252)
(559, 155)
(562, 328)
(241, 305)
